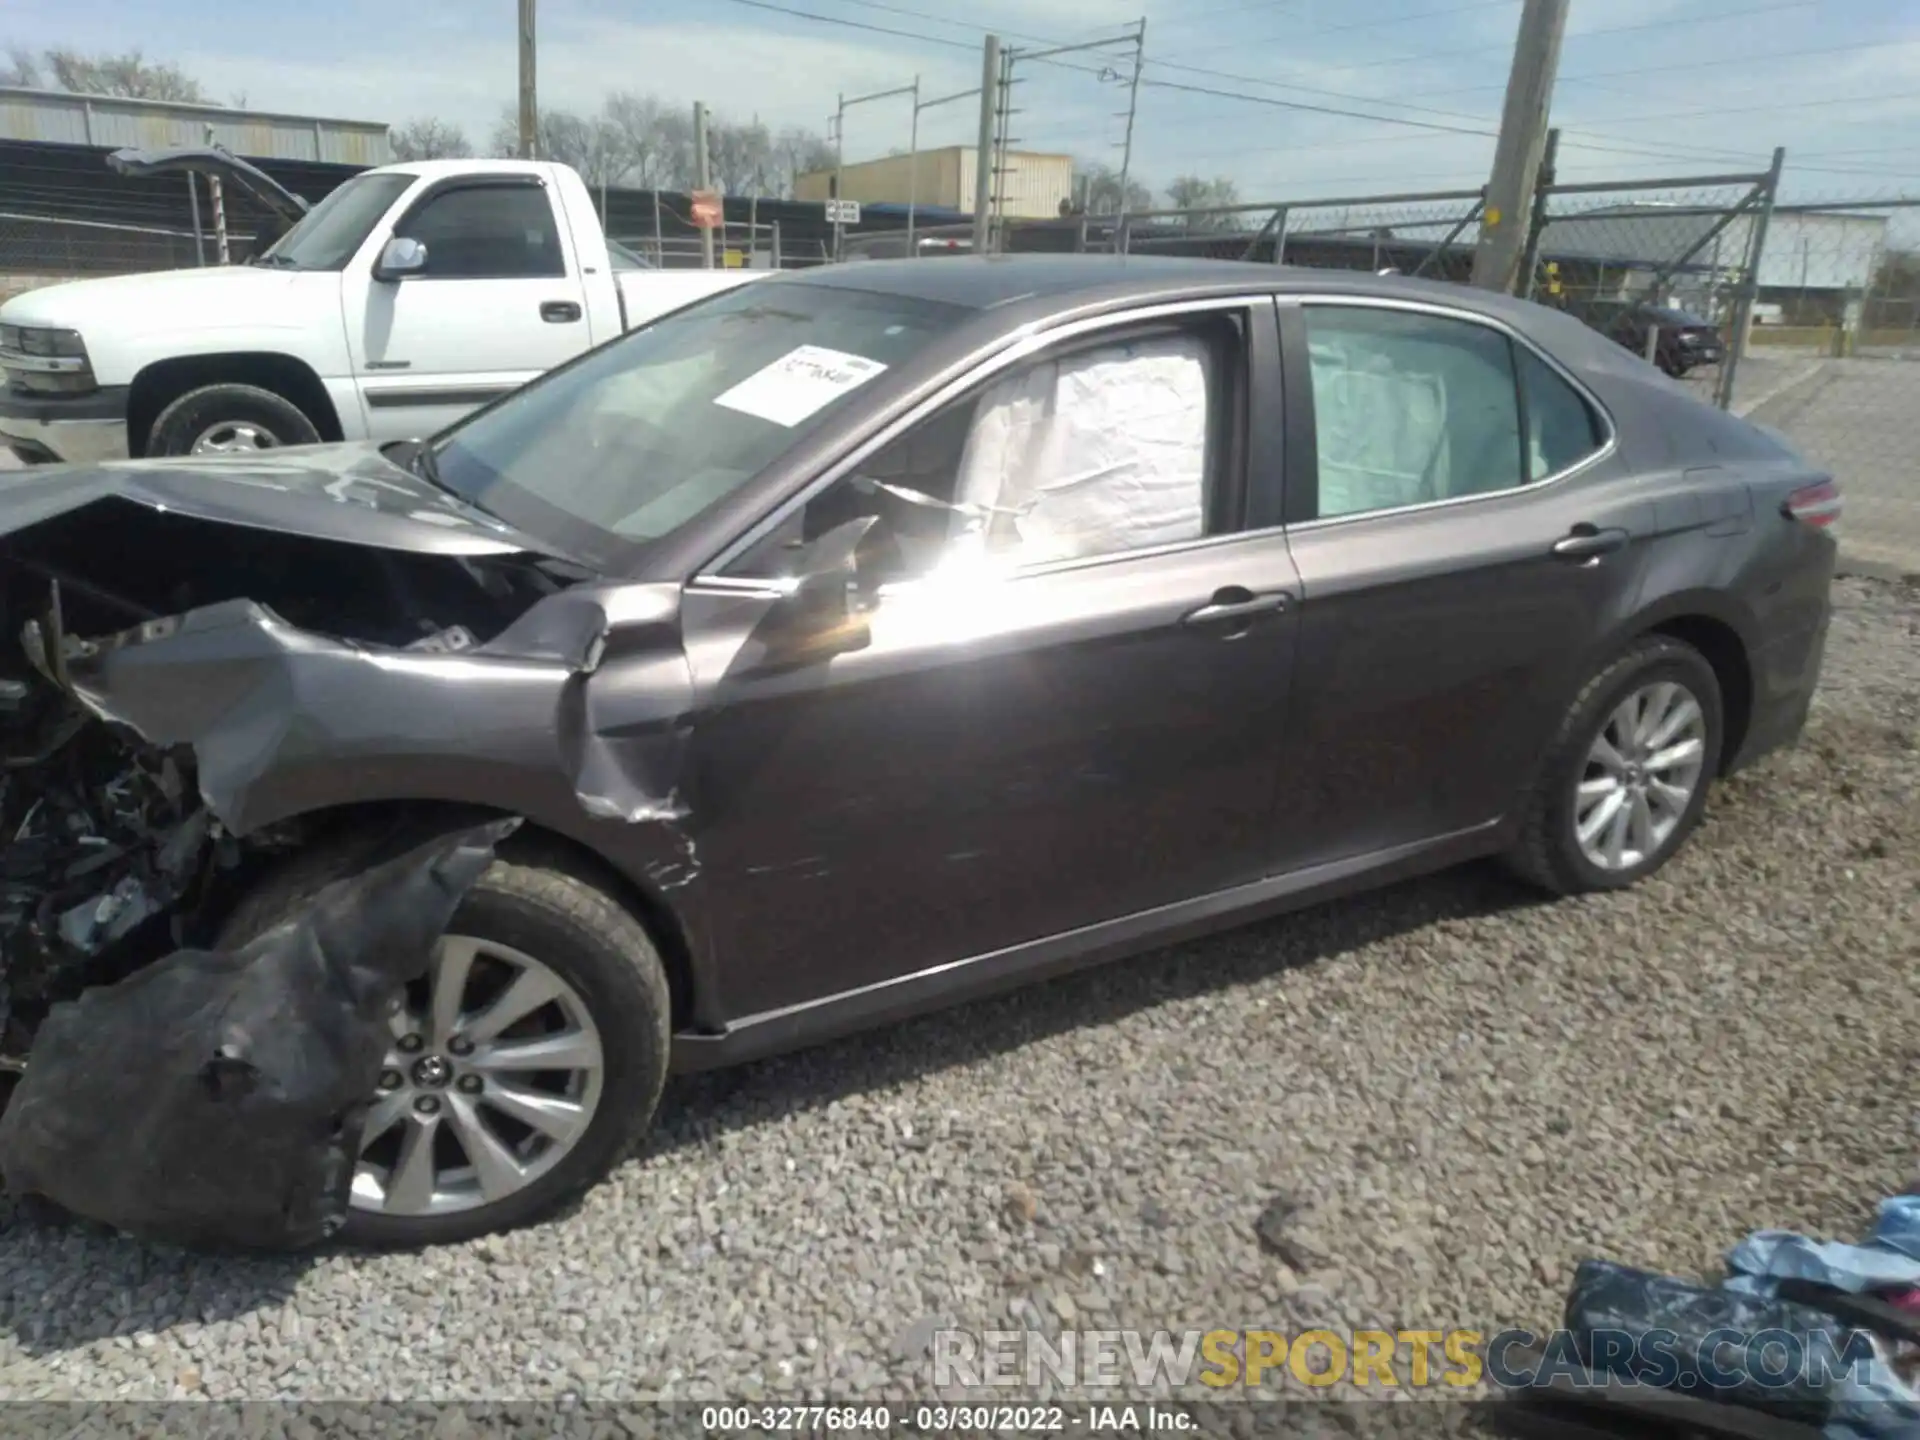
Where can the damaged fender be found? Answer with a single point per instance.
(538, 722)
(218, 1098)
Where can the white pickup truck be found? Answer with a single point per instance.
(407, 297)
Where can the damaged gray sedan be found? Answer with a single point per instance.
(864, 640)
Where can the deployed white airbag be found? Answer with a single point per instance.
(1381, 426)
(1093, 454)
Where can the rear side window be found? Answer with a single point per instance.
(1409, 408)
(1562, 429)
(488, 232)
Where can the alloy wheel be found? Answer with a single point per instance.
(493, 1076)
(1641, 774)
(233, 437)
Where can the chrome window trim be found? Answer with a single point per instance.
(971, 374)
(1447, 312)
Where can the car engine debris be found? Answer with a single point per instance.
(102, 836)
(111, 852)
(218, 1098)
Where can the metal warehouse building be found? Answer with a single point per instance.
(1034, 185)
(53, 117)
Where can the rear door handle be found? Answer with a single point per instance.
(1234, 605)
(1587, 543)
(559, 312)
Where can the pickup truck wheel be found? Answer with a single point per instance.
(523, 1067)
(229, 419)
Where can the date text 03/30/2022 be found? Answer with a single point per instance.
(1096, 1418)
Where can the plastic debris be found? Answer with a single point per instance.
(216, 1098)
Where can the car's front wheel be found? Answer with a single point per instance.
(522, 1066)
(1626, 778)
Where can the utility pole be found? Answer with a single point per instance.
(703, 175)
(1537, 217)
(1523, 138)
(529, 109)
(989, 147)
(1133, 106)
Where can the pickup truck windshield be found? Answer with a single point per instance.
(331, 233)
(642, 435)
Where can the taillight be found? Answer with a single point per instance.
(1817, 505)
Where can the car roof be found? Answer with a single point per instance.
(986, 283)
(1023, 289)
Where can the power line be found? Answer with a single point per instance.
(1758, 109)
(1690, 65)
(856, 24)
(1380, 24)
(1313, 109)
(1670, 24)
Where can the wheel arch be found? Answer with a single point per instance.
(161, 382)
(533, 843)
(1723, 648)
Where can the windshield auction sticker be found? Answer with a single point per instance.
(801, 382)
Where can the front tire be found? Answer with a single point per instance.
(466, 1136)
(1625, 780)
(229, 419)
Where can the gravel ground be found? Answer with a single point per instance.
(1458, 1092)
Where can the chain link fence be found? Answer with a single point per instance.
(1838, 317)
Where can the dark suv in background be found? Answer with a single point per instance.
(1685, 340)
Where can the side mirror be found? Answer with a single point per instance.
(400, 258)
(820, 616)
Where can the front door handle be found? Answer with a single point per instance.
(559, 312)
(1587, 543)
(1234, 606)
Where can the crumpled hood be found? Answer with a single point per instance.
(350, 493)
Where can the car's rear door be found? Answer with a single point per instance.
(1463, 542)
(1014, 753)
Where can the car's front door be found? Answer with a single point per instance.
(1461, 549)
(500, 301)
(1069, 703)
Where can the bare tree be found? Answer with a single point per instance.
(658, 139)
(428, 138)
(22, 68)
(593, 145)
(1098, 185)
(799, 151)
(130, 75)
(642, 141)
(741, 156)
(1190, 192)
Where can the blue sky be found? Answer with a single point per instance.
(1648, 87)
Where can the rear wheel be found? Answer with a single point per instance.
(229, 419)
(521, 1068)
(1626, 778)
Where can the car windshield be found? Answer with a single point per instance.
(330, 234)
(640, 436)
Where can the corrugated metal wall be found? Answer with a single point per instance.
(53, 117)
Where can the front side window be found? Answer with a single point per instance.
(1100, 450)
(488, 232)
(331, 234)
(647, 432)
(1409, 408)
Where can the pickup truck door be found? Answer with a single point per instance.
(500, 301)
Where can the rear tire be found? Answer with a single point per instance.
(1572, 785)
(609, 967)
(229, 419)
